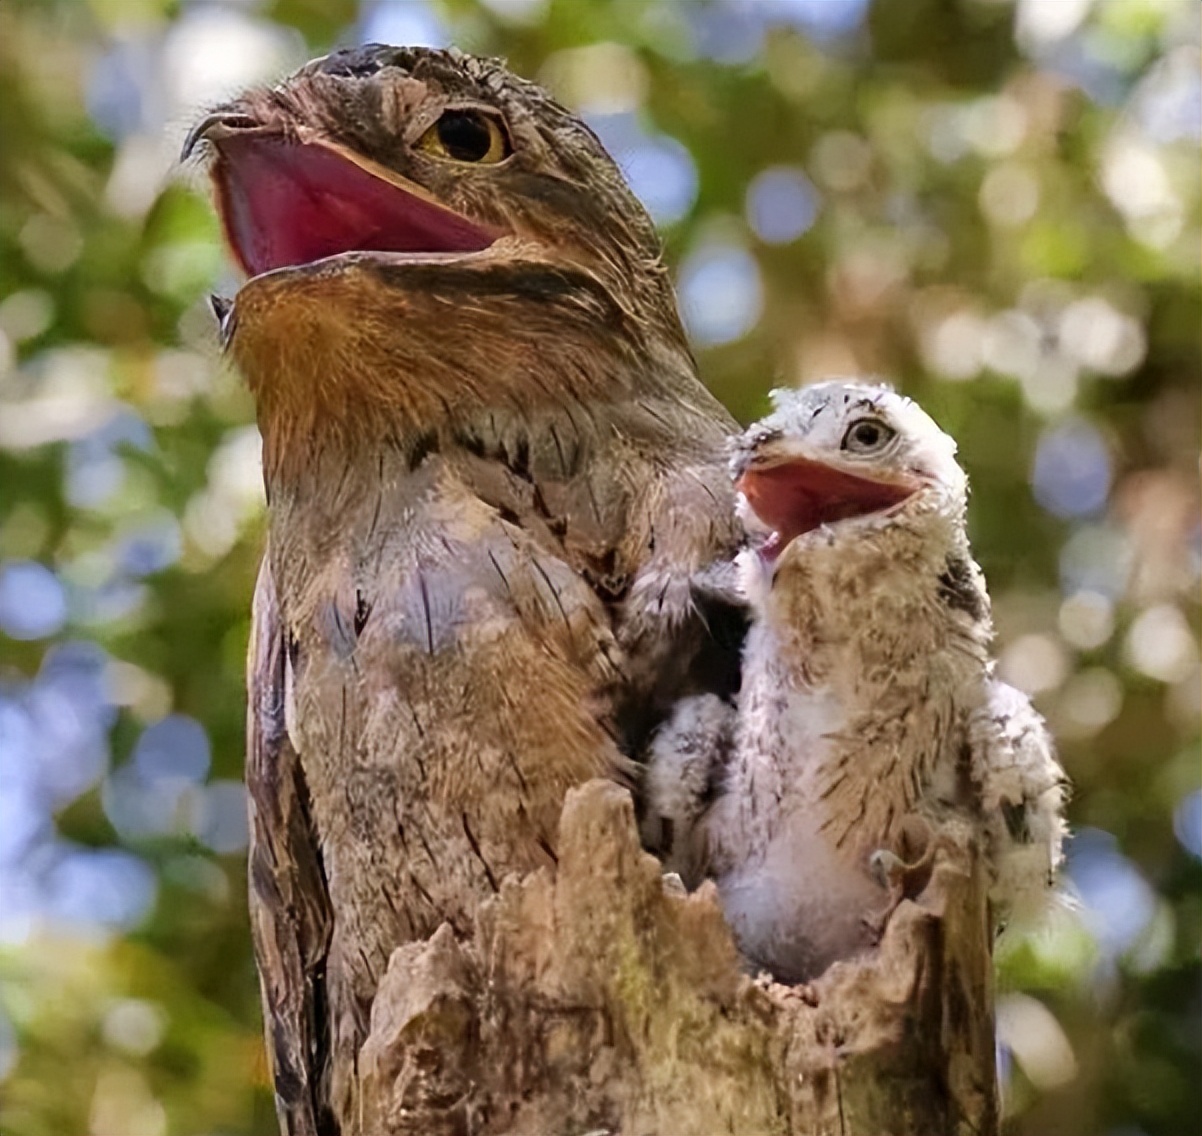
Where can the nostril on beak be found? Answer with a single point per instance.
(219, 124)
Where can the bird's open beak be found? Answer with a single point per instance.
(794, 493)
(292, 200)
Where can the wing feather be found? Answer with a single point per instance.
(289, 904)
(1024, 791)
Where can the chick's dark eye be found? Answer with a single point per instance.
(466, 136)
(866, 435)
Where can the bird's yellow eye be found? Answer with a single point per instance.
(466, 136)
(866, 435)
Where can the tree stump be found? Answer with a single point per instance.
(595, 999)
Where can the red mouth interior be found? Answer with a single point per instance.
(798, 496)
(286, 203)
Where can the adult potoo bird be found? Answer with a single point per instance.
(491, 472)
(869, 712)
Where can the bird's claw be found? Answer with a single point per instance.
(887, 868)
(901, 879)
(673, 884)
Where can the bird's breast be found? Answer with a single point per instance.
(444, 679)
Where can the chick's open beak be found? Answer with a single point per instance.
(796, 494)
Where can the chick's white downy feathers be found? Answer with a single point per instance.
(868, 709)
(1023, 793)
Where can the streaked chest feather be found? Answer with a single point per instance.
(857, 684)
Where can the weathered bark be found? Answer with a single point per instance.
(597, 1000)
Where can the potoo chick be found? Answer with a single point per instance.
(869, 709)
(491, 472)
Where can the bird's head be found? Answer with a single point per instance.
(425, 234)
(848, 459)
(414, 154)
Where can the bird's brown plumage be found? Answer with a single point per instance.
(491, 475)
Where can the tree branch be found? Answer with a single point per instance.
(595, 1000)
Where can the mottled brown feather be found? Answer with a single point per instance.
(490, 479)
(289, 906)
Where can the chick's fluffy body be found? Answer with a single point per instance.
(869, 715)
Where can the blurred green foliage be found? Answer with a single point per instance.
(995, 206)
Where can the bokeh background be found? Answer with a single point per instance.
(995, 204)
